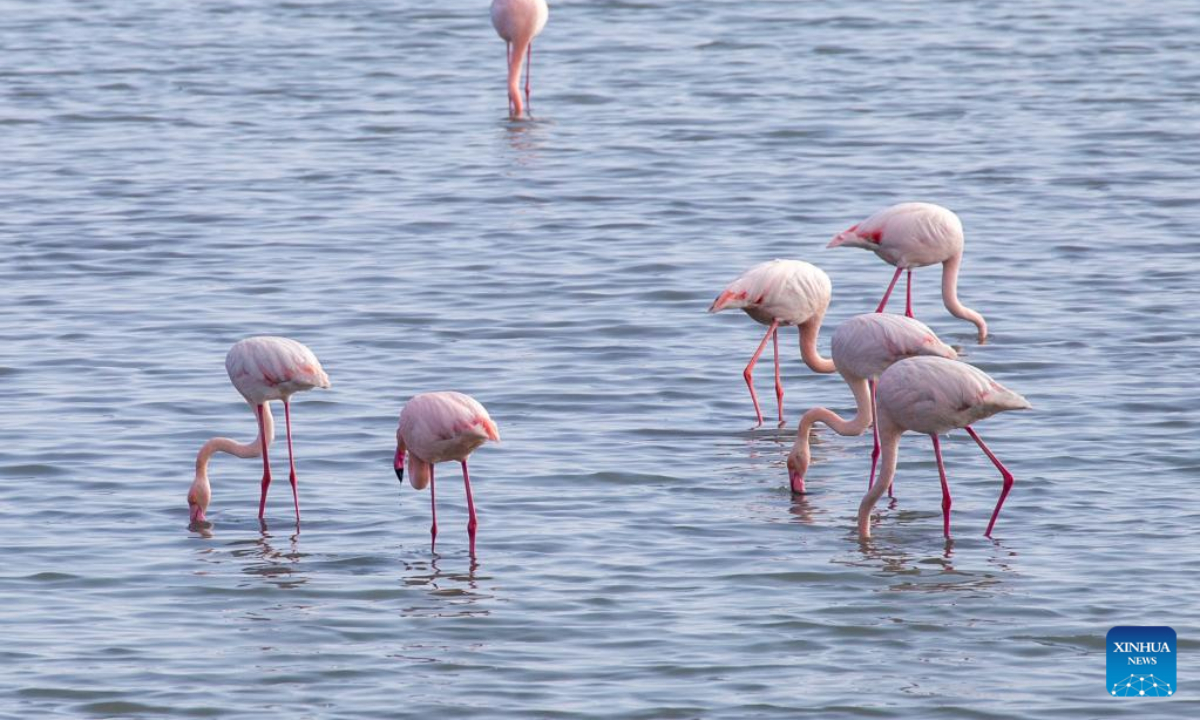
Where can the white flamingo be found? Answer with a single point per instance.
(781, 293)
(862, 348)
(911, 235)
(262, 369)
(436, 427)
(934, 395)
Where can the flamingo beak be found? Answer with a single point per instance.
(797, 482)
(398, 463)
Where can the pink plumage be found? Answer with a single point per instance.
(518, 22)
(911, 235)
(862, 348)
(262, 369)
(438, 427)
(781, 293)
(934, 395)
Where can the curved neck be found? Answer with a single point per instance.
(243, 450)
(855, 426)
(808, 346)
(889, 442)
(950, 296)
(516, 61)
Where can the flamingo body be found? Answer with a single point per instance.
(934, 395)
(781, 293)
(912, 235)
(273, 368)
(439, 427)
(262, 369)
(518, 22)
(862, 348)
(907, 235)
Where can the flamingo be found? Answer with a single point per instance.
(436, 427)
(934, 395)
(262, 369)
(863, 347)
(518, 22)
(911, 235)
(775, 293)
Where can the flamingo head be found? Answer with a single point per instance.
(856, 238)
(797, 464)
(398, 463)
(198, 498)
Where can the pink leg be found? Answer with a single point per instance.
(1004, 473)
(778, 381)
(908, 294)
(875, 427)
(266, 479)
(287, 414)
(946, 501)
(432, 511)
(528, 72)
(888, 294)
(472, 522)
(748, 373)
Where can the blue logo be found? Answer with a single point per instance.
(1141, 661)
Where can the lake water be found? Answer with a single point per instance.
(181, 175)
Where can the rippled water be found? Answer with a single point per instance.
(181, 175)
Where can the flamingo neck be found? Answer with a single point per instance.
(889, 443)
(516, 61)
(251, 449)
(808, 346)
(950, 296)
(855, 426)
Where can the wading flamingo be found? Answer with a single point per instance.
(436, 427)
(911, 235)
(934, 395)
(863, 347)
(262, 369)
(781, 293)
(518, 22)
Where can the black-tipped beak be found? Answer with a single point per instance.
(400, 473)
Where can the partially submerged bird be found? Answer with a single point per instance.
(437, 427)
(781, 293)
(933, 395)
(262, 369)
(911, 235)
(518, 22)
(863, 347)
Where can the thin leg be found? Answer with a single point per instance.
(908, 294)
(432, 511)
(507, 67)
(472, 522)
(748, 373)
(875, 429)
(1004, 473)
(888, 294)
(946, 501)
(266, 479)
(287, 415)
(528, 73)
(778, 381)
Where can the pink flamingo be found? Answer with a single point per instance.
(863, 347)
(775, 293)
(934, 395)
(262, 369)
(436, 427)
(518, 22)
(912, 235)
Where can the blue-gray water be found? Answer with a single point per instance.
(181, 175)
